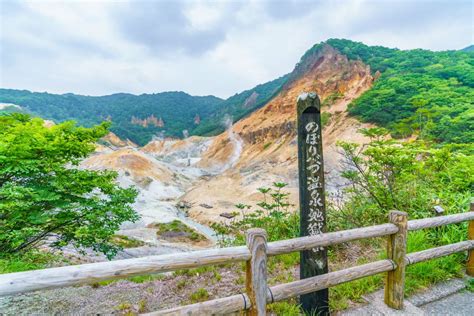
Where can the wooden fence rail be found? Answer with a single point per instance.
(255, 254)
(19, 282)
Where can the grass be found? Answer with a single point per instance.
(142, 306)
(146, 278)
(342, 295)
(177, 230)
(125, 308)
(196, 271)
(422, 275)
(126, 242)
(31, 260)
(325, 118)
(280, 268)
(199, 295)
(181, 284)
(470, 285)
(135, 279)
(267, 145)
(290, 308)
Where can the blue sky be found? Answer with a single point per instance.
(201, 47)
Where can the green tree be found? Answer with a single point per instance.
(411, 176)
(417, 91)
(45, 196)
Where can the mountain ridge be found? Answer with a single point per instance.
(261, 148)
(402, 94)
(210, 109)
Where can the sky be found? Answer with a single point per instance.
(202, 47)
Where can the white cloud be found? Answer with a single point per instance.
(201, 47)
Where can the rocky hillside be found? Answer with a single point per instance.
(267, 150)
(203, 178)
(161, 172)
(206, 177)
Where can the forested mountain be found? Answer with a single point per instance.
(431, 93)
(140, 117)
(415, 91)
(134, 117)
(239, 105)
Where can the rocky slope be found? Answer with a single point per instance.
(196, 179)
(161, 172)
(266, 145)
(113, 140)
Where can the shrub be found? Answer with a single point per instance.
(199, 295)
(177, 230)
(43, 193)
(125, 241)
(29, 260)
(411, 176)
(273, 214)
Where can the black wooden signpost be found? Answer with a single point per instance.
(312, 206)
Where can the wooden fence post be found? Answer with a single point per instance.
(470, 236)
(256, 273)
(396, 251)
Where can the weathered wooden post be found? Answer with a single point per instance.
(470, 253)
(396, 251)
(312, 205)
(256, 272)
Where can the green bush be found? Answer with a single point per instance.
(273, 215)
(125, 241)
(29, 260)
(199, 295)
(177, 230)
(419, 91)
(43, 193)
(412, 176)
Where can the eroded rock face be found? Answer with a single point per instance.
(211, 175)
(114, 141)
(270, 132)
(131, 162)
(161, 177)
(269, 147)
(148, 121)
(251, 100)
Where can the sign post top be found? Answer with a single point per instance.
(308, 100)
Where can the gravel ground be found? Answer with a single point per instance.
(125, 296)
(163, 291)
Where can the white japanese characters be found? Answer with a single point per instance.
(314, 183)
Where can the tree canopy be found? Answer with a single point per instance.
(418, 91)
(44, 195)
(177, 110)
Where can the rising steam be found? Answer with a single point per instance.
(186, 135)
(236, 141)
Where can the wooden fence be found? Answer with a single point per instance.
(258, 294)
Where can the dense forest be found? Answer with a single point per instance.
(120, 109)
(418, 91)
(178, 111)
